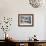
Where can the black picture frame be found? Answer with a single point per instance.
(26, 20)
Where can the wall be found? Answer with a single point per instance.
(11, 8)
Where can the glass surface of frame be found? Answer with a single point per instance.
(25, 19)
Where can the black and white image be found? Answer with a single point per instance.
(25, 19)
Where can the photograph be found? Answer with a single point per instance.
(25, 19)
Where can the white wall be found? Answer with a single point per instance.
(11, 8)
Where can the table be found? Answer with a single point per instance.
(27, 42)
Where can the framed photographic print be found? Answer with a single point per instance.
(25, 20)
